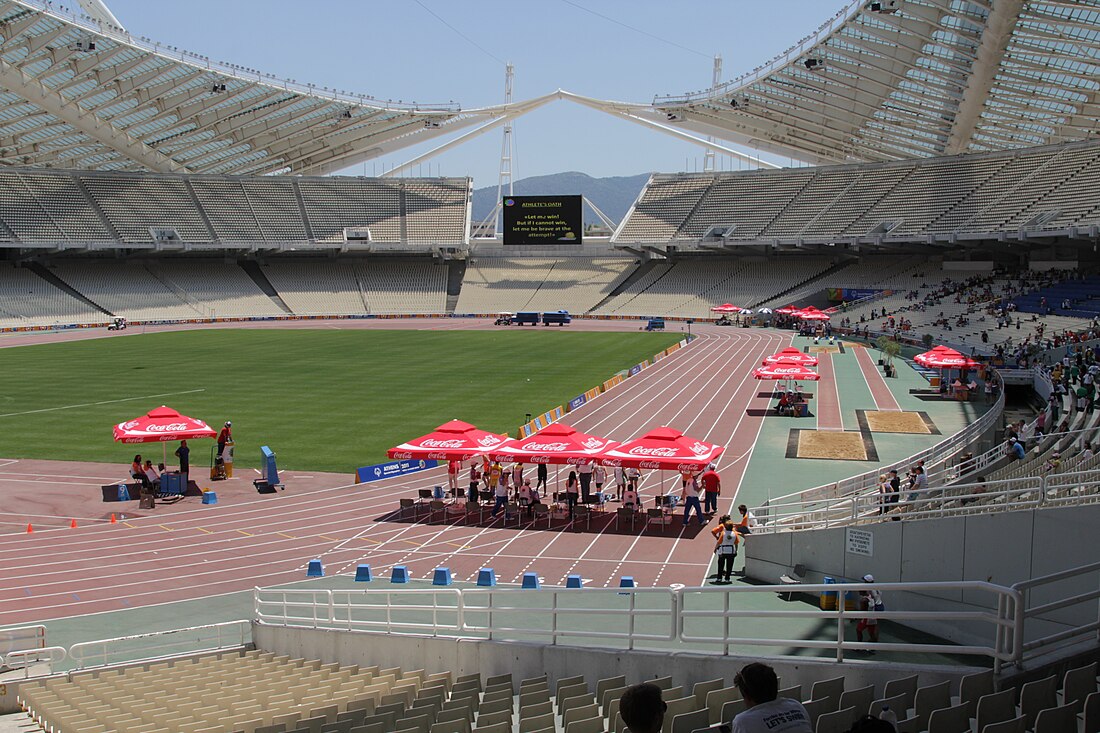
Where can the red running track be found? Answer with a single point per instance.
(884, 398)
(829, 416)
(703, 390)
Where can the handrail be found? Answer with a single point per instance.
(1075, 631)
(226, 635)
(25, 658)
(633, 618)
(16, 638)
(1023, 492)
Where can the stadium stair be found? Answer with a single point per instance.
(638, 274)
(43, 272)
(252, 269)
(815, 278)
(456, 272)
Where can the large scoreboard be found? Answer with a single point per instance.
(533, 220)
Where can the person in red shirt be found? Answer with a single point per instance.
(453, 467)
(224, 437)
(712, 488)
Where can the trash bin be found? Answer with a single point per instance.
(437, 492)
(828, 597)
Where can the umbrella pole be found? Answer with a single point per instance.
(164, 458)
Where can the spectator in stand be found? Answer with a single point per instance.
(712, 488)
(642, 708)
(1087, 453)
(1016, 450)
(766, 712)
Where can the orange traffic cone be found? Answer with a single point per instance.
(113, 520)
(30, 529)
(72, 524)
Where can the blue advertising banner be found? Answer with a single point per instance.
(577, 402)
(380, 471)
(636, 369)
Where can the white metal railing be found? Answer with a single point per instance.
(210, 637)
(700, 619)
(1081, 485)
(27, 658)
(20, 638)
(940, 463)
(1072, 631)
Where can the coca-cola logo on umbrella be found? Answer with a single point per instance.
(550, 447)
(641, 450)
(168, 428)
(436, 443)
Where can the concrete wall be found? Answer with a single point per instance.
(526, 660)
(1002, 548)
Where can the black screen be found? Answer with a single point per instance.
(542, 220)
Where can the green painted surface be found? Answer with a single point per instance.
(328, 400)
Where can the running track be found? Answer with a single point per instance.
(884, 398)
(703, 390)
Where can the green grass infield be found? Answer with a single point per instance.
(328, 400)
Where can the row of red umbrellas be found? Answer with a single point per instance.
(662, 448)
(809, 313)
(788, 364)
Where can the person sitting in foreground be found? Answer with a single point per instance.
(642, 708)
(151, 474)
(766, 711)
(137, 472)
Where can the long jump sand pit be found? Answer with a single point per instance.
(832, 445)
(917, 423)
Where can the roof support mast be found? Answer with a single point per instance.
(506, 150)
(716, 79)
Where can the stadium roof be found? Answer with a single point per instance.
(913, 78)
(80, 92)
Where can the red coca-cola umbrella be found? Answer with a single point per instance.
(663, 448)
(162, 425)
(787, 310)
(452, 441)
(557, 444)
(942, 357)
(790, 354)
(784, 370)
(812, 314)
(726, 308)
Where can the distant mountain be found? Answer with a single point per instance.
(612, 195)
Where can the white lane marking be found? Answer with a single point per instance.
(101, 402)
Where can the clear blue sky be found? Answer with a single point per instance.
(396, 49)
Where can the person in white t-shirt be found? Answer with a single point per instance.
(767, 712)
